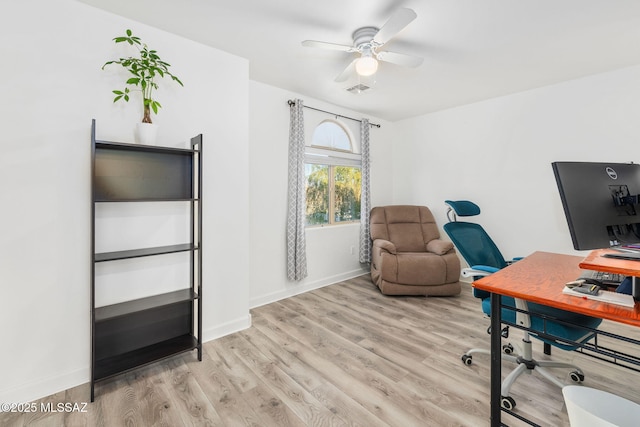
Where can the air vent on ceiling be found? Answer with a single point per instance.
(359, 88)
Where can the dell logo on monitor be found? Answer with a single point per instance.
(612, 174)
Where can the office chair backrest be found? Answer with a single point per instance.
(471, 240)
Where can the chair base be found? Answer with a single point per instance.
(525, 364)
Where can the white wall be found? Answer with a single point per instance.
(52, 87)
(498, 153)
(329, 257)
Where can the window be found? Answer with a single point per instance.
(330, 134)
(333, 176)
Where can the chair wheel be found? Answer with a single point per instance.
(507, 348)
(576, 376)
(507, 402)
(466, 359)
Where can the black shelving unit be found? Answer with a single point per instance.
(137, 332)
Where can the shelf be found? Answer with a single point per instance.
(135, 333)
(123, 172)
(114, 365)
(109, 312)
(139, 147)
(137, 253)
(143, 199)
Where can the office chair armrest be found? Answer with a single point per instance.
(514, 260)
(385, 245)
(478, 271)
(439, 247)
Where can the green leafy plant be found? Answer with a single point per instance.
(145, 68)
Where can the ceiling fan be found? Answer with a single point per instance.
(367, 42)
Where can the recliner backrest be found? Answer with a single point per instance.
(409, 228)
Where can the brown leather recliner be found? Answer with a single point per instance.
(408, 257)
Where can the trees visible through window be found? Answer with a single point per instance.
(333, 177)
(333, 194)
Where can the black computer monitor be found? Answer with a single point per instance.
(600, 202)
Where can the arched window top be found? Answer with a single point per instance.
(332, 135)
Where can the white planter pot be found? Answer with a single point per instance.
(146, 133)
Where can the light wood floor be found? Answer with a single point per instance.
(343, 355)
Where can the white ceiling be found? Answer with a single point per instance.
(473, 49)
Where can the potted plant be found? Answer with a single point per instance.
(143, 70)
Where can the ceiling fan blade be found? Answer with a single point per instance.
(400, 19)
(325, 45)
(400, 59)
(349, 70)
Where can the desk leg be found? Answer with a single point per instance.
(496, 359)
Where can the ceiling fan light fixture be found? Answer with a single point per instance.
(368, 43)
(366, 66)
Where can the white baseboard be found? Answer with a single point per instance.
(43, 387)
(226, 328)
(305, 287)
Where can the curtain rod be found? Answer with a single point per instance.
(292, 102)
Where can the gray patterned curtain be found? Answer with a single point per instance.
(365, 197)
(296, 250)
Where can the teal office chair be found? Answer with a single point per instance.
(557, 328)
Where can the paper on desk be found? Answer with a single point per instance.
(604, 296)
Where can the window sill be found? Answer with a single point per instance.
(331, 226)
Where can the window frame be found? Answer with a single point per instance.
(332, 158)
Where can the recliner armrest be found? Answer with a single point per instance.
(385, 245)
(439, 247)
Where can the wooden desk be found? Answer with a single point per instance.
(540, 278)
